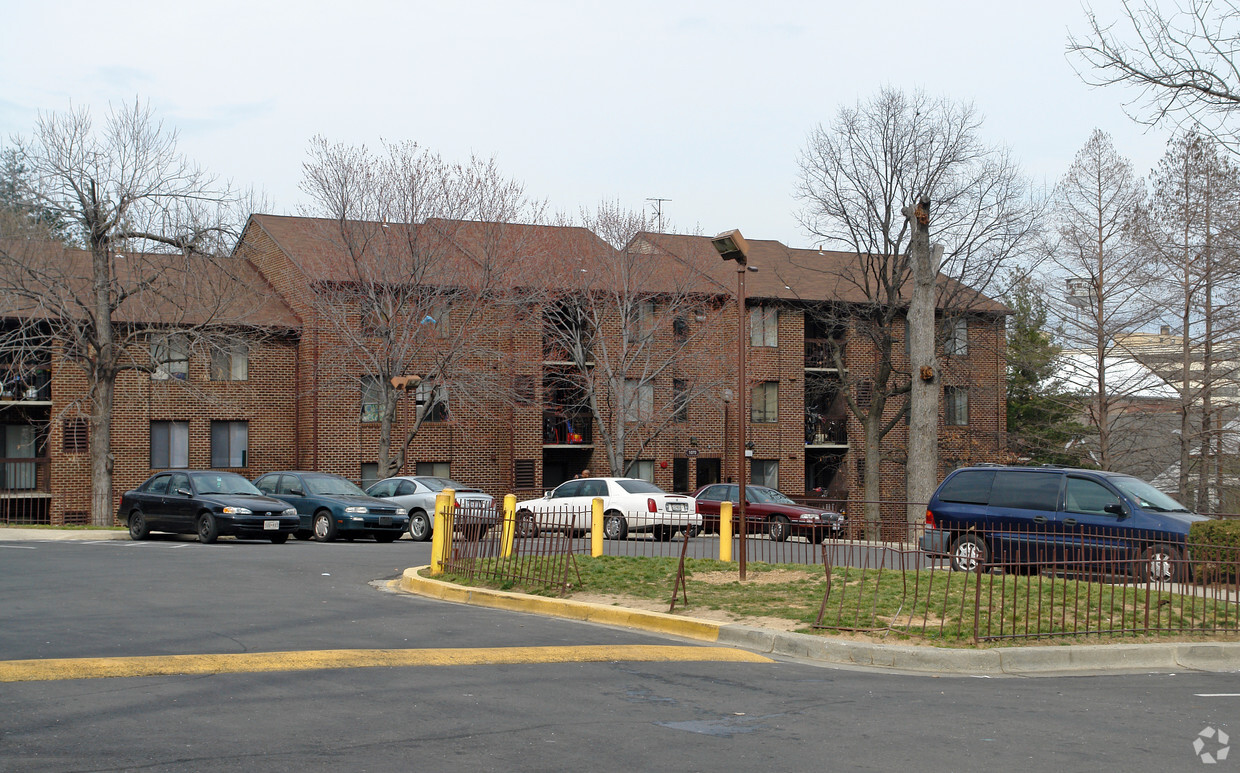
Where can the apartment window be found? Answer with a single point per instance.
(642, 469)
(169, 444)
(764, 472)
(956, 405)
(370, 474)
(230, 443)
(764, 326)
(371, 399)
(438, 319)
(170, 357)
(680, 328)
(640, 325)
(230, 362)
(764, 406)
(680, 399)
(76, 436)
(638, 400)
(957, 342)
(435, 469)
(433, 402)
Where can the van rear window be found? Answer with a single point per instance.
(1026, 490)
(971, 487)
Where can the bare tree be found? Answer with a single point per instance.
(123, 193)
(1192, 236)
(424, 258)
(633, 328)
(1181, 61)
(1094, 249)
(857, 177)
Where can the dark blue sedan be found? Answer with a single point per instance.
(331, 506)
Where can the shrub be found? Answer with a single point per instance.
(1215, 547)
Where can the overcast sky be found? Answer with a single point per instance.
(703, 103)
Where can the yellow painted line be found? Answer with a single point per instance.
(255, 662)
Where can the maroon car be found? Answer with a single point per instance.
(768, 510)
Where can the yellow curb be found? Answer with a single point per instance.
(254, 662)
(659, 622)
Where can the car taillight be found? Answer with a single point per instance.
(650, 505)
(930, 519)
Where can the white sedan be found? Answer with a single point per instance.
(629, 505)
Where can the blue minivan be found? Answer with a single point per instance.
(1038, 516)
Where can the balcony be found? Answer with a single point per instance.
(564, 428)
(825, 430)
(818, 354)
(33, 387)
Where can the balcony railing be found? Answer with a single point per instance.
(567, 428)
(28, 387)
(825, 430)
(818, 354)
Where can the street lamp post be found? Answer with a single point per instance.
(732, 246)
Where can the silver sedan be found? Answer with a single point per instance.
(416, 493)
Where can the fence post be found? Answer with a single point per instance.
(725, 531)
(596, 527)
(439, 534)
(510, 525)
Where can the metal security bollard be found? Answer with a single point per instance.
(725, 531)
(596, 527)
(439, 534)
(510, 525)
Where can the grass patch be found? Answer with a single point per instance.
(934, 606)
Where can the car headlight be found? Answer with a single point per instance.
(356, 510)
(289, 511)
(238, 511)
(402, 511)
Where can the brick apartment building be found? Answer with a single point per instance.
(287, 398)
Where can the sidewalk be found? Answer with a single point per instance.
(18, 534)
(995, 661)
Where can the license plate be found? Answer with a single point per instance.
(677, 507)
(271, 525)
(385, 520)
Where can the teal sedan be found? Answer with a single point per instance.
(331, 506)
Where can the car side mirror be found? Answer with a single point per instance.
(297, 493)
(1115, 508)
(185, 492)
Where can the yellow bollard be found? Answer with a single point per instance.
(439, 534)
(510, 525)
(596, 527)
(449, 535)
(725, 531)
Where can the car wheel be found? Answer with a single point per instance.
(614, 526)
(693, 530)
(778, 528)
(324, 526)
(969, 553)
(137, 526)
(208, 529)
(525, 524)
(386, 536)
(419, 526)
(279, 539)
(1160, 563)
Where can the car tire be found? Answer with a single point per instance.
(386, 536)
(778, 528)
(693, 531)
(279, 539)
(526, 528)
(138, 529)
(615, 526)
(208, 529)
(419, 526)
(1160, 563)
(324, 527)
(968, 553)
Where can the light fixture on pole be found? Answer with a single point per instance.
(732, 246)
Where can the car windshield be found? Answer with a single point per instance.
(639, 487)
(1147, 496)
(222, 483)
(766, 496)
(439, 484)
(330, 485)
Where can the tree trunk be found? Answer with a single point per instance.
(871, 479)
(101, 513)
(923, 425)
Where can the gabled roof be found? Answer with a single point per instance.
(174, 288)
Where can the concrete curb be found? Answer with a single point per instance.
(18, 534)
(997, 661)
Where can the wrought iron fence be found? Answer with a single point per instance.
(25, 490)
